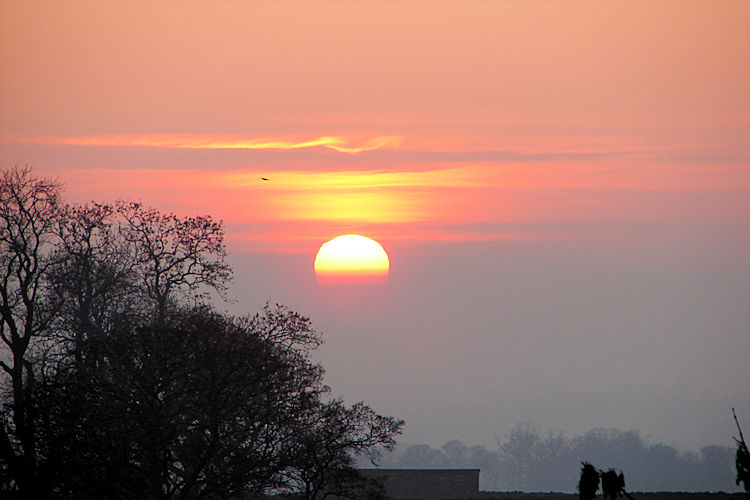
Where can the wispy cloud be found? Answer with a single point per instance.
(341, 144)
(476, 147)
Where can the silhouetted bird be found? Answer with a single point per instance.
(589, 482)
(264, 178)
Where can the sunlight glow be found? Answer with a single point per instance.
(366, 197)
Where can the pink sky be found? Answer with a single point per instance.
(518, 151)
(467, 105)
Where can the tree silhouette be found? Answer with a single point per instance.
(196, 406)
(173, 255)
(741, 458)
(204, 406)
(613, 484)
(588, 484)
(28, 207)
(328, 443)
(122, 382)
(93, 279)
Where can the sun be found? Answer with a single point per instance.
(351, 259)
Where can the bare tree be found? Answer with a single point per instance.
(456, 452)
(175, 256)
(519, 453)
(204, 407)
(68, 276)
(286, 328)
(328, 441)
(28, 209)
(199, 407)
(120, 380)
(92, 277)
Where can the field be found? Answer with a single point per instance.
(486, 495)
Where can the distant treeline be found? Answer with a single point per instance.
(528, 459)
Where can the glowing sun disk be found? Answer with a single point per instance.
(350, 259)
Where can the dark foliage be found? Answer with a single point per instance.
(588, 485)
(121, 382)
(199, 408)
(327, 441)
(742, 464)
(741, 458)
(613, 484)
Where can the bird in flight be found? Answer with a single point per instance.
(264, 178)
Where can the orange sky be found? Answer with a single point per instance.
(470, 131)
(403, 118)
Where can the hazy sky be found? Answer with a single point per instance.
(563, 188)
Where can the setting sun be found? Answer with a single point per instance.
(351, 259)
